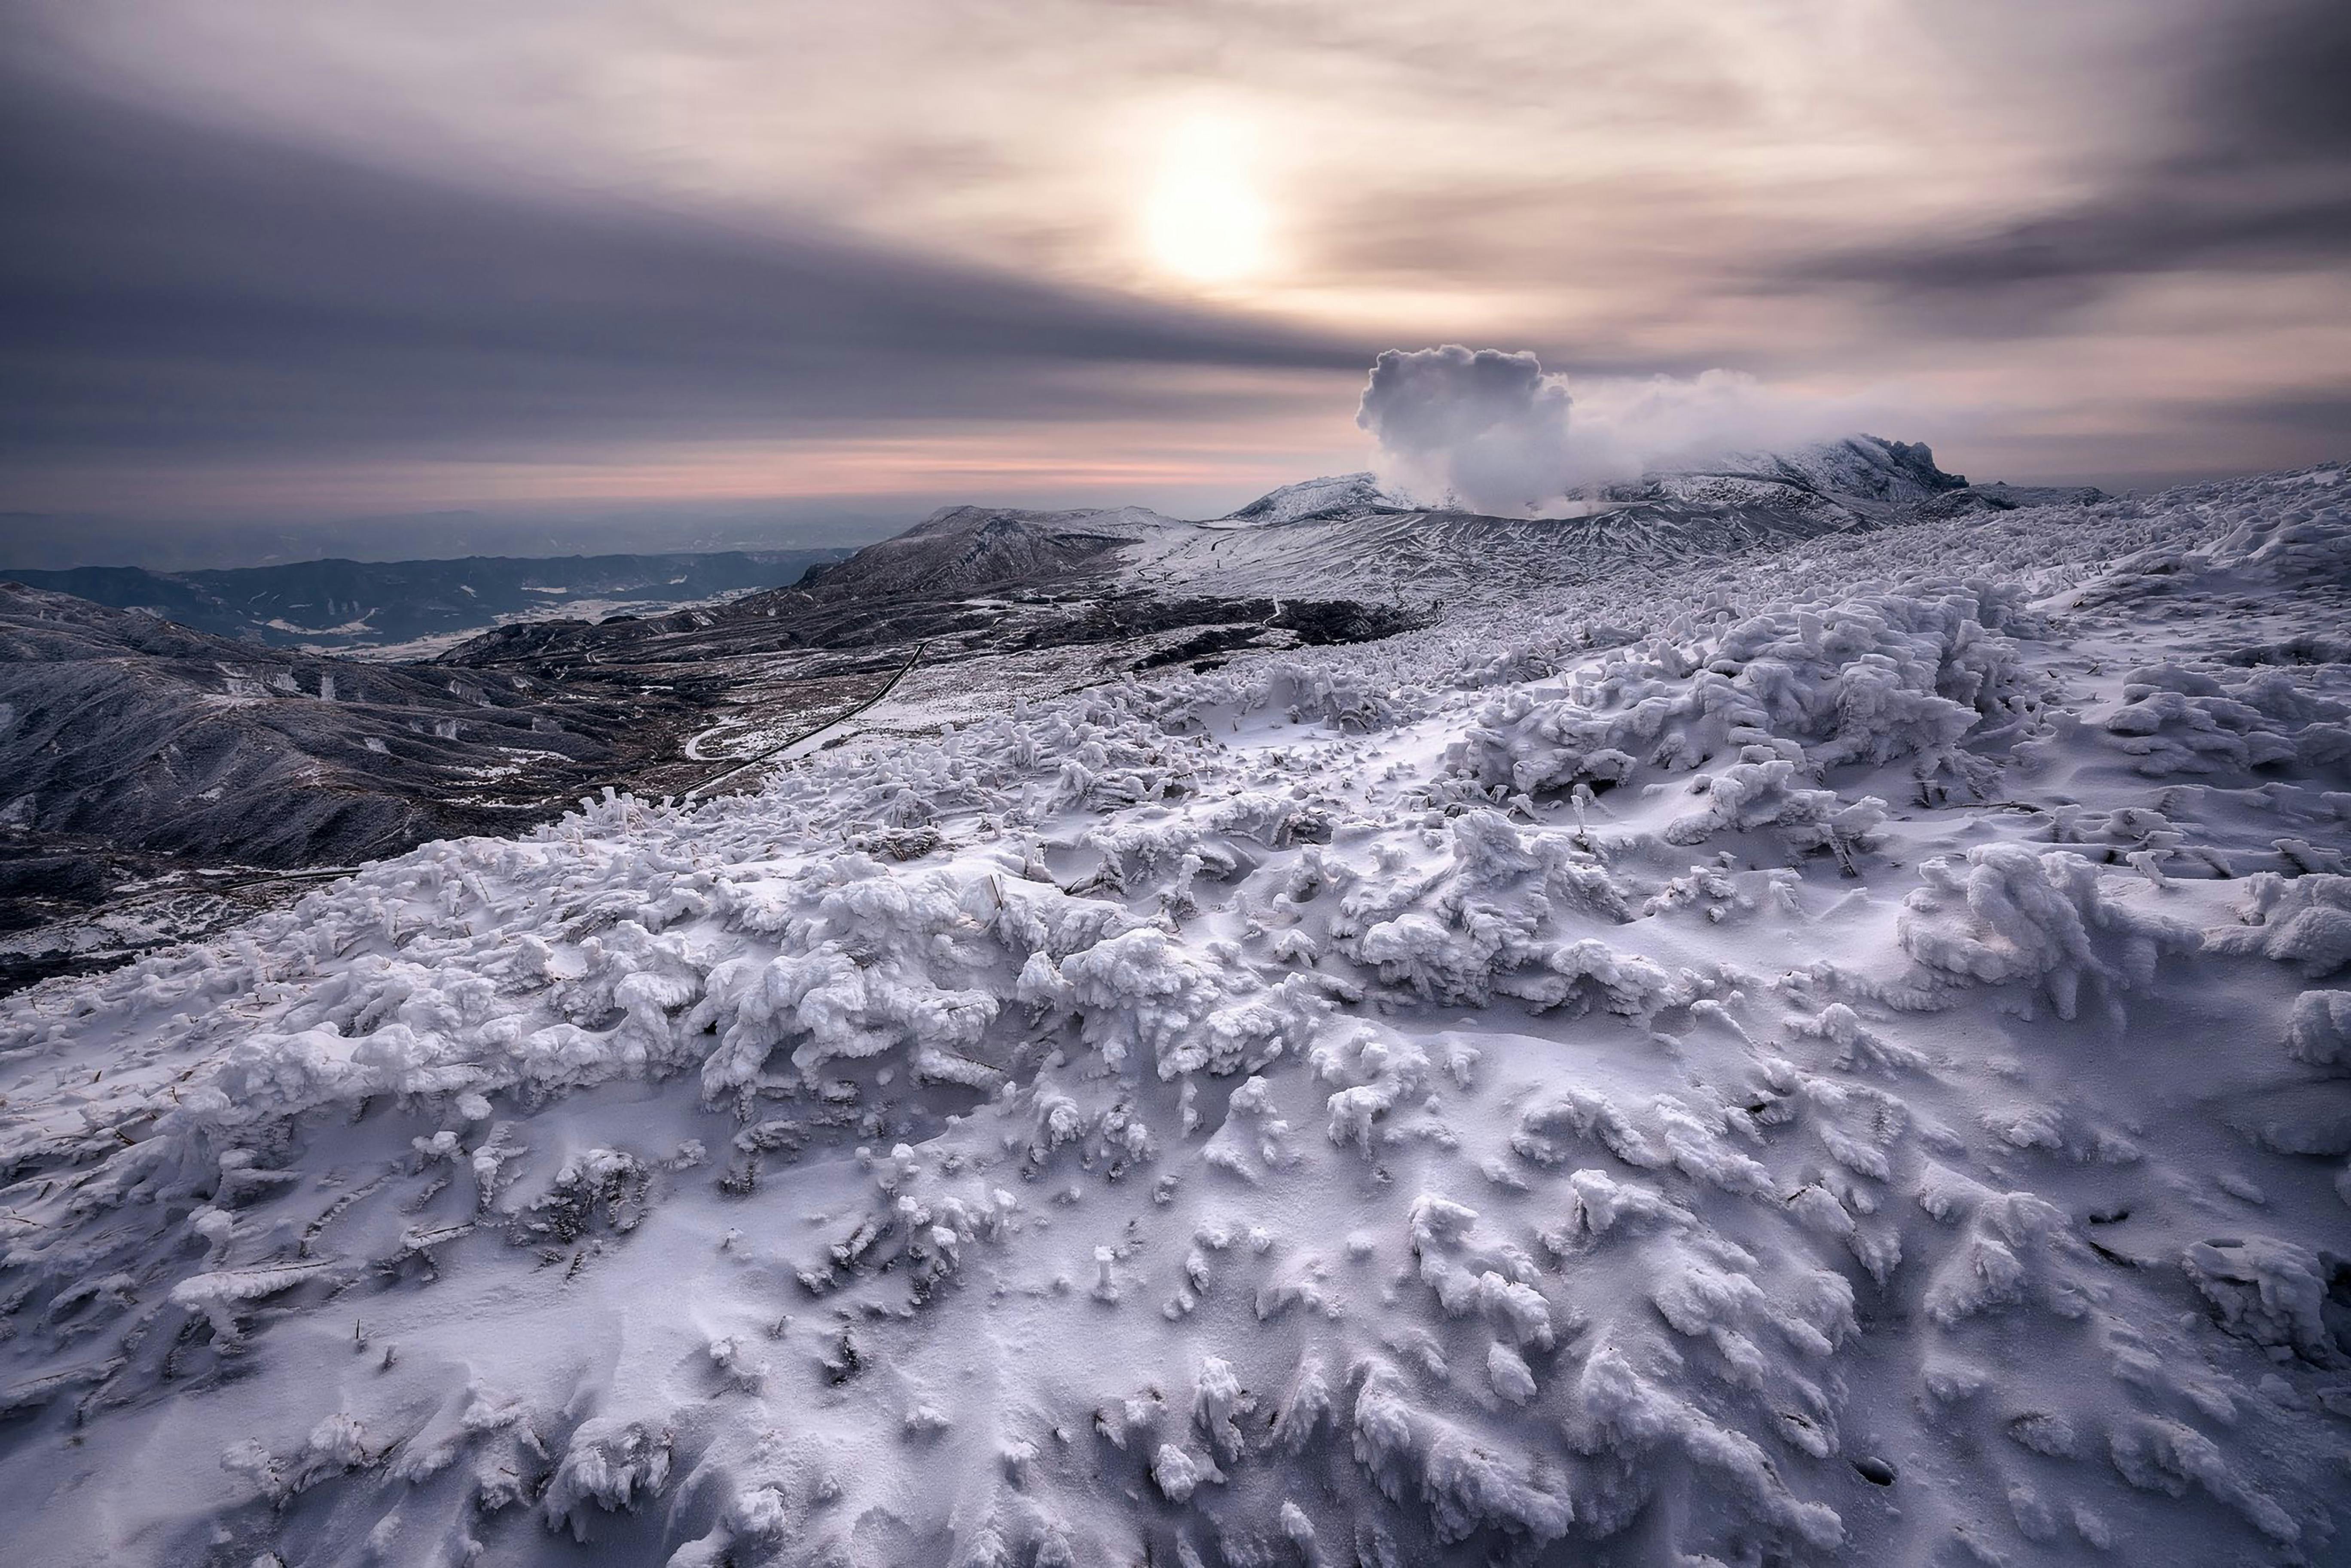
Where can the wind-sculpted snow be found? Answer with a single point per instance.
(1817, 1061)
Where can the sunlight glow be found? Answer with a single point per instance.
(1205, 221)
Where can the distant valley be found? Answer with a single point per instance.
(403, 607)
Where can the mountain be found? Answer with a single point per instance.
(137, 750)
(1347, 536)
(133, 750)
(961, 549)
(1833, 1054)
(1856, 467)
(1334, 559)
(1409, 556)
(119, 724)
(1855, 478)
(1339, 493)
(350, 606)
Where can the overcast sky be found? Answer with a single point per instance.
(282, 260)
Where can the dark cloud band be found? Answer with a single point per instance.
(168, 287)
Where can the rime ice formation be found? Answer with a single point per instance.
(1833, 1056)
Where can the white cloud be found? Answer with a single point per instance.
(1486, 429)
(1625, 425)
(1496, 432)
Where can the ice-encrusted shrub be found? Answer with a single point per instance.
(1867, 680)
(887, 964)
(2293, 543)
(1463, 1480)
(1377, 1073)
(2319, 1029)
(1163, 858)
(1759, 792)
(2304, 921)
(1636, 1426)
(1341, 698)
(1275, 821)
(335, 1446)
(922, 963)
(2179, 720)
(1143, 993)
(223, 1296)
(2154, 1453)
(606, 1184)
(1502, 917)
(1478, 1275)
(2270, 1292)
(2016, 1250)
(2007, 914)
(609, 1463)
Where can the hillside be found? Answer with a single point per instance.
(1831, 1053)
(149, 765)
(1346, 537)
(347, 606)
(143, 760)
(118, 723)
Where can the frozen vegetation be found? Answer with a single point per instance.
(1837, 1054)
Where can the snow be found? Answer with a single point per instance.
(1833, 1055)
(1287, 503)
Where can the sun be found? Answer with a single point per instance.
(1204, 221)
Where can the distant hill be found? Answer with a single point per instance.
(356, 606)
(120, 726)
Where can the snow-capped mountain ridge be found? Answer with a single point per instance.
(1350, 536)
(1854, 468)
(1309, 498)
(1858, 479)
(1869, 467)
(966, 549)
(1104, 522)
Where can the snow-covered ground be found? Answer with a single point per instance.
(1837, 1055)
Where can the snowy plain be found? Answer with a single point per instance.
(1836, 1053)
